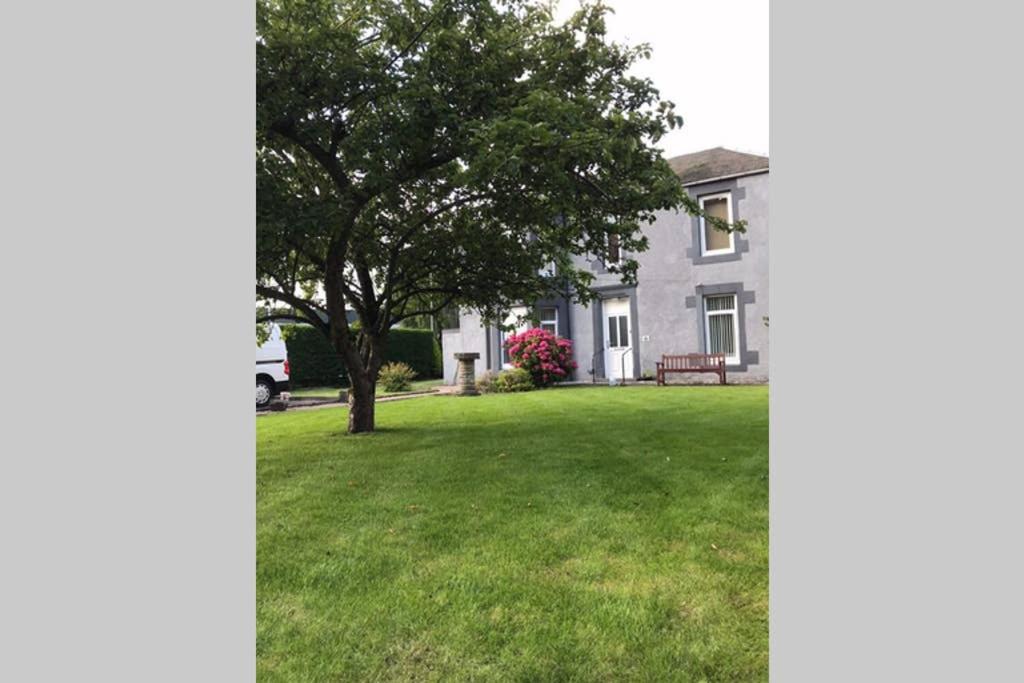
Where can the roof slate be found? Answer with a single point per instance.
(715, 163)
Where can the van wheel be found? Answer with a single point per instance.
(264, 392)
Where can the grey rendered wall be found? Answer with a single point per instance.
(666, 303)
(583, 340)
(673, 277)
(588, 339)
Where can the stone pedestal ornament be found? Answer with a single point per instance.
(465, 379)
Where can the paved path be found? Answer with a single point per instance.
(448, 390)
(300, 404)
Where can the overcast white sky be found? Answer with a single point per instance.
(710, 57)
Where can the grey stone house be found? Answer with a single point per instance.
(698, 290)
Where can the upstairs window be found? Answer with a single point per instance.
(613, 252)
(715, 241)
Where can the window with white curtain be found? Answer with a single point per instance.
(721, 326)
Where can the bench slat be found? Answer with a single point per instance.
(692, 360)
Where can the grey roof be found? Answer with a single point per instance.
(715, 163)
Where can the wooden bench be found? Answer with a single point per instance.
(692, 362)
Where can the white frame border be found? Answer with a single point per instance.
(729, 360)
(542, 322)
(727, 195)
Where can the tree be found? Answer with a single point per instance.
(414, 155)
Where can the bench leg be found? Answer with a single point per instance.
(721, 373)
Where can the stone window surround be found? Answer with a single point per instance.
(743, 297)
(740, 243)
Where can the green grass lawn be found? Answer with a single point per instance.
(332, 392)
(575, 534)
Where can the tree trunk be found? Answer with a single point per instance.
(362, 356)
(361, 402)
(362, 393)
(362, 377)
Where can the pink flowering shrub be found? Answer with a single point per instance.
(547, 357)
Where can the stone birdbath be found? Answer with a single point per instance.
(465, 379)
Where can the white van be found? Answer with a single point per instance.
(272, 369)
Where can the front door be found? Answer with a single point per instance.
(618, 339)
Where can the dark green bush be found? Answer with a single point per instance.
(314, 362)
(395, 377)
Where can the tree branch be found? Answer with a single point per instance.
(283, 316)
(431, 311)
(286, 129)
(307, 307)
(391, 274)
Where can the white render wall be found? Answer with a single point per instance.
(469, 337)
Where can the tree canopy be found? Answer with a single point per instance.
(414, 155)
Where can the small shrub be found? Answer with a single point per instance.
(486, 383)
(396, 377)
(545, 356)
(516, 379)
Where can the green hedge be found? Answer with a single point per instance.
(314, 363)
(416, 348)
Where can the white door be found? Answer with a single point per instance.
(618, 339)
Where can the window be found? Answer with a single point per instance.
(721, 326)
(614, 252)
(618, 331)
(714, 241)
(520, 326)
(547, 270)
(549, 319)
